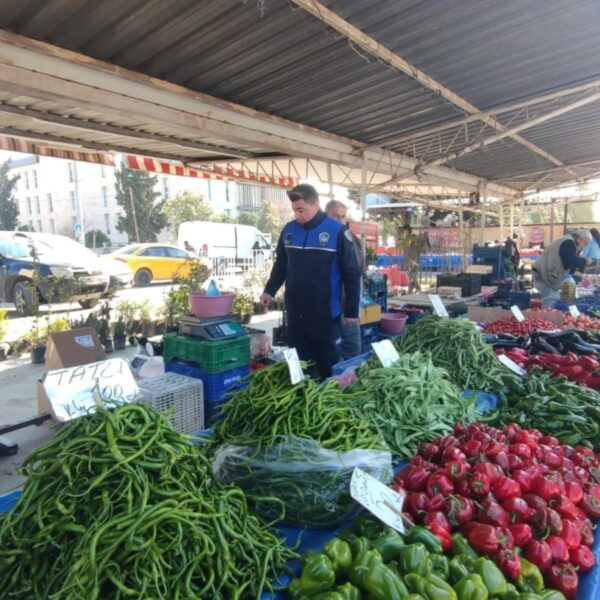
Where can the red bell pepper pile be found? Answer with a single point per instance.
(582, 322)
(579, 368)
(510, 488)
(514, 327)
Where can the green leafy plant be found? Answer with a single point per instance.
(243, 303)
(119, 328)
(3, 323)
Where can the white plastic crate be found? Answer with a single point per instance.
(182, 395)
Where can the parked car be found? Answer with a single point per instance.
(61, 261)
(120, 275)
(149, 262)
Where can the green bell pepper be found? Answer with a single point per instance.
(415, 583)
(361, 565)
(346, 534)
(531, 579)
(460, 545)
(512, 593)
(438, 565)
(358, 545)
(349, 592)
(307, 556)
(339, 553)
(388, 544)
(553, 595)
(457, 569)
(328, 596)
(471, 587)
(381, 583)
(438, 589)
(420, 535)
(317, 575)
(367, 526)
(414, 597)
(293, 589)
(492, 576)
(529, 596)
(413, 559)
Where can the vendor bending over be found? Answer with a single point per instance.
(560, 259)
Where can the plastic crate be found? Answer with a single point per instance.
(377, 285)
(520, 299)
(382, 301)
(469, 283)
(216, 385)
(349, 363)
(210, 356)
(180, 395)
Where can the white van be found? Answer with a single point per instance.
(237, 245)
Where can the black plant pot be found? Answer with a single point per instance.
(2, 353)
(245, 319)
(37, 354)
(133, 340)
(172, 329)
(108, 345)
(120, 342)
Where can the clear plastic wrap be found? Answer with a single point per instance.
(299, 481)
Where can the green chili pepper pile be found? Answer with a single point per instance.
(293, 449)
(557, 407)
(121, 505)
(270, 410)
(455, 345)
(411, 402)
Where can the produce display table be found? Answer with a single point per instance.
(422, 300)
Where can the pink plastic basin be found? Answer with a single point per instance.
(204, 306)
(392, 322)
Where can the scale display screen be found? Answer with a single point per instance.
(219, 330)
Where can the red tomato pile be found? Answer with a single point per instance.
(582, 322)
(514, 327)
(578, 368)
(509, 488)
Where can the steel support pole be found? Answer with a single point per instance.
(483, 211)
(501, 218)
(512, 219)
(461, 240)
(551, 220)
(330, 180)
(78, 201)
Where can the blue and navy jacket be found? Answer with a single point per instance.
(315, 260)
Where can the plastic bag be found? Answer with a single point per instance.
(299, 482)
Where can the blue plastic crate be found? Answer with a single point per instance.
(382, 301)
(355, 361)
(214, 384)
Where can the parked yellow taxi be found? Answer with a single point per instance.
(150, 262)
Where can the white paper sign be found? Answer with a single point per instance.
(511, 364)
(293, 363)
(386, 353)
(378, 498)
(516, 311)
(74, 392)
(574, 311)
(438, 306)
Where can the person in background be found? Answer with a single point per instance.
(592, 250)
(413, 245)
(315, 256)
(511, 257)
(557, 261)
(350, 331)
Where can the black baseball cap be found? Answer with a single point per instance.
(304, 191)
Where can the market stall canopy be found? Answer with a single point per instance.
(500, 97)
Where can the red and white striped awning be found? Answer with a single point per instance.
(16, 144)
(145, 163)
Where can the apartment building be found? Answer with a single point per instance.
(55, 195)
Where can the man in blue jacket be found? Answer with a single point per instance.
(315, 258)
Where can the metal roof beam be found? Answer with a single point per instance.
(373, 47)
(40, 71)
(513, 106)
(86, 125)
(517, 128)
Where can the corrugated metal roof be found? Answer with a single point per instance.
(285, 62)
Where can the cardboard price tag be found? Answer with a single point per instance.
(438, 306)
(516, 311)
(386, 353)
(511, 364)
(574, 311)
(379, 500)
(76, 391)
(293, 363)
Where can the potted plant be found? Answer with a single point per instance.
(243, 305)
(36, 337)
(3, 329)
(145, 312)
(104, 326)
(120, 334)
(175, 306)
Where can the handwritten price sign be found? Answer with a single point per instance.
(77, 391)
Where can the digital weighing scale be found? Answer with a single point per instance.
(215, 329)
